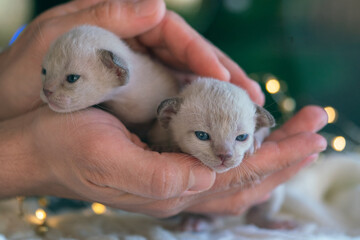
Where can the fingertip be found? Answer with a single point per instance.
(201, 179)
(224, 74)
(321, 143)
(309, 160)
(317, 112)
(256, 94)
(150, 8)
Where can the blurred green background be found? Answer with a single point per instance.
(311, 46)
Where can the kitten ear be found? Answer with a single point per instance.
(263, 118)
(115, 64)
(167, 109)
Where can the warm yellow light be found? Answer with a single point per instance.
(273, 86)
(40, 214)
(338, 143)
(332, 114)
(288, 104)
(98, 208)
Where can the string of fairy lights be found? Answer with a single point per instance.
(287, 106)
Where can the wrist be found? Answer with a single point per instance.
(21, 172)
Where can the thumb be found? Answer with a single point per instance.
(157, 175)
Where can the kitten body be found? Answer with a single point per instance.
(130, 85)
(225, 112)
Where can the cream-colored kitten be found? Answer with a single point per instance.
(89, 65)
(213, 121)
(217, 123)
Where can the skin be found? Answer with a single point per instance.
(90, 155)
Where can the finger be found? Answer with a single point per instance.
(239, 77)
(124, 18)
(239, 202)
(185, 45)
(272, 157)
(310, 118)
(145, 173)
(252, 196)
(66, 8)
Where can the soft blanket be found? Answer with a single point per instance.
(324, 199)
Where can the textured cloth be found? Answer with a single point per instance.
(324, 199)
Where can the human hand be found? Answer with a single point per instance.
(165, 35)
(90, 155)
(286, 151)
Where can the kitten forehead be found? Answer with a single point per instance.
(218, 105)
(80, 45)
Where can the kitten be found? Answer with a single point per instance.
(89, 65)
(217, 123)
(213, 121)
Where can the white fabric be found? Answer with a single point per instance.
(324, 199)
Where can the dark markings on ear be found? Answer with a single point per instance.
(115, 64)
(263, 118)
(167, 109)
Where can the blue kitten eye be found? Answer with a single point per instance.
(203, 136)
(242, 137)
(43, 71)
(72, 78)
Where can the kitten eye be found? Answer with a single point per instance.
(43, 71)
(242, 137)
(203, 136)
(72, 78)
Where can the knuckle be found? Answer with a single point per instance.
(102, 11)
(247, 176)
(107, 10)
(166, 182)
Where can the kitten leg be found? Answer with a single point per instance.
(196, 222)
(262, 215)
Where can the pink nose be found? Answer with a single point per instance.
(224, 157)
(47, 92)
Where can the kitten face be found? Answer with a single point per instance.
(77, 75)
(227, 118)
(68, 88)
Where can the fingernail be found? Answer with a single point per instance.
(225, 73)
(309, 160)
(259, 98)
(201, 179)
(266, 197)
(144, 8)
(323, 144)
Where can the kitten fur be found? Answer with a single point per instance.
(222, 110)
(130, 84)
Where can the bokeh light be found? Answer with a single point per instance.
(40, 214)
(338, 143)
(332, 114)
(273, 86)
(288, 104)
(98, 208)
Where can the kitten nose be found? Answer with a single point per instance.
(47, 92)
(224, 157)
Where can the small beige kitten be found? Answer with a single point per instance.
(89, 65)
(214, 121)
(217, 123)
